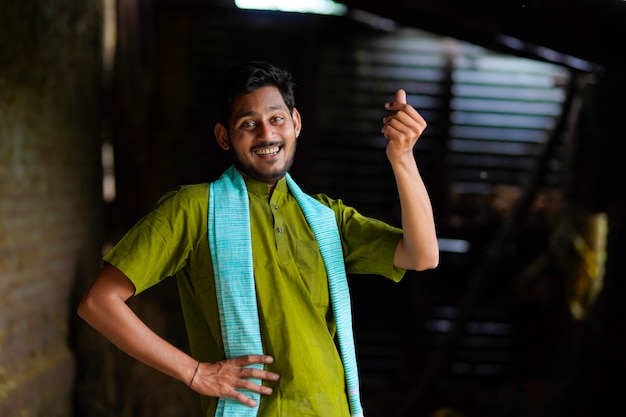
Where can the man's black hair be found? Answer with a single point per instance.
(248, 77)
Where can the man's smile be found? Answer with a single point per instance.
(267, 151)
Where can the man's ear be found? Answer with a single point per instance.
(221, 134)
(297, 121)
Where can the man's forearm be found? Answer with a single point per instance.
(418, 248)
(104, 308)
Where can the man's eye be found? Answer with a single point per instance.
(278, 119)
(248, 125)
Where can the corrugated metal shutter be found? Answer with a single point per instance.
(356, 78)
(487, 115)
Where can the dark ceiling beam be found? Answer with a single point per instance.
(591, 30)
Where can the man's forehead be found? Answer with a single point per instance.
(258, 102)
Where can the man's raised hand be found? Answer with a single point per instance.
(402, 127)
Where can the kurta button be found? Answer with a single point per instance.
(275, 206)
(280, 230)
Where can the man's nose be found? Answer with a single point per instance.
(266, 130)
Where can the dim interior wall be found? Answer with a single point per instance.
(50, 194)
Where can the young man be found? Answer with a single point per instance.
(261, 266)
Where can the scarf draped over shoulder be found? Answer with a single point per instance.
(231, 252)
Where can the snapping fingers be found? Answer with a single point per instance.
(404, 125)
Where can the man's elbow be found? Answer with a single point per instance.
(90, 307)
(416, 259)
(431, 261)
(428, 258)
(425, 266)
(419, 262)
(85, 307)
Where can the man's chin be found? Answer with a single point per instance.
(269, 176)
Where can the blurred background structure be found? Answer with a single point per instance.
(105, 105)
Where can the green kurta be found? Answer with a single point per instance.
(297, 326)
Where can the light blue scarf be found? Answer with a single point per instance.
(231, 252)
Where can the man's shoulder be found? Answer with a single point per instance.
(194, 190)
(326, 200)
(188, 194)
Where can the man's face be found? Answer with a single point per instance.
(261, 135)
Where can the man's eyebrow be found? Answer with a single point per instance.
(245, 114)
(253, 113)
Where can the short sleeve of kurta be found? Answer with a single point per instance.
(164, 241)
(362, 237)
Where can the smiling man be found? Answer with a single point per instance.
(261, 266)
(261, 134)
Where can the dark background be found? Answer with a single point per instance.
(512, 326)
(522, 158)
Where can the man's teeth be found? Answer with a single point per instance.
(267, 151)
